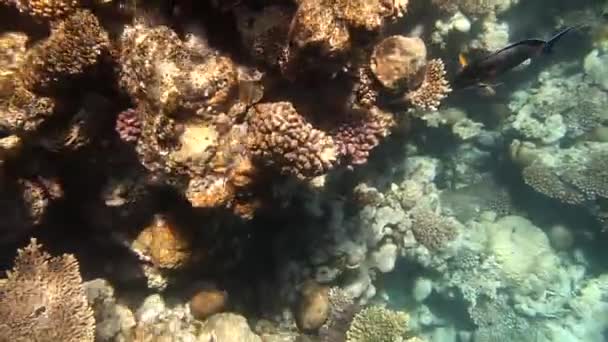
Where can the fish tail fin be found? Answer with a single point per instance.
(548, 48)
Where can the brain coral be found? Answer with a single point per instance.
(42, 299)
(282, 138)
(74, 45)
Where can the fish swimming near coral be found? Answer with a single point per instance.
(478, 73)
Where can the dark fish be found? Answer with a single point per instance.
(479, 72)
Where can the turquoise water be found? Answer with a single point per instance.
(303, 170)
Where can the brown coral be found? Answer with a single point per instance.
(12, 54)
(431, 230)
(25, 111)
(264, 34)
(42, 299)
(163, 243)
(398, 62)
(75, 44)
(47, 9)
(173, 76)
(280, 137)
(360, 132)
(433, 89)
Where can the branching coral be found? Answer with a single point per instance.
(431, 230)
(75, 44)
(42, 299)
(342, 311)
(12, 53)
(433, 89)
(47, 9)
(281, 137)
(360, 132)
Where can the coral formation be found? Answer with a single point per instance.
(378, 324)
(42, 299)
(281, 137)
(45, 9)
(433, 89)
(74, 45)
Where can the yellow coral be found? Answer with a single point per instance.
(74, 45)
(378, 324)
(164, 243)
(47, 9)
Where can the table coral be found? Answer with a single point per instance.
(42, 299)
(282, 137)
(74, 45)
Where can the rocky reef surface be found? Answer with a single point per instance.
(299, 171)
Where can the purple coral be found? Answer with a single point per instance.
(128, 125)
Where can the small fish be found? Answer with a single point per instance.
(479, 72)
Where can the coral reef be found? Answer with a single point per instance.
(294, 171)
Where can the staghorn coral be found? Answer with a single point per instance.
(398, 62)
(378, 324)
(360, 132)
(282, 138)
(75, 44)
(42, 299)
(431, 230)
(45, 9)
(433, 89)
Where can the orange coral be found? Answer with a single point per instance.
(42, 299)
(433, 89)
(164, 243)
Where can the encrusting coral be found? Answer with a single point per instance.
(42, 299)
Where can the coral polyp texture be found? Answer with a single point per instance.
(45, 9)
(42, 299)
(433, 89)
(376, 323)
(282, 138)
(75, 44)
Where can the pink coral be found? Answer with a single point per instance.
(360, 132)
(128, 125)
